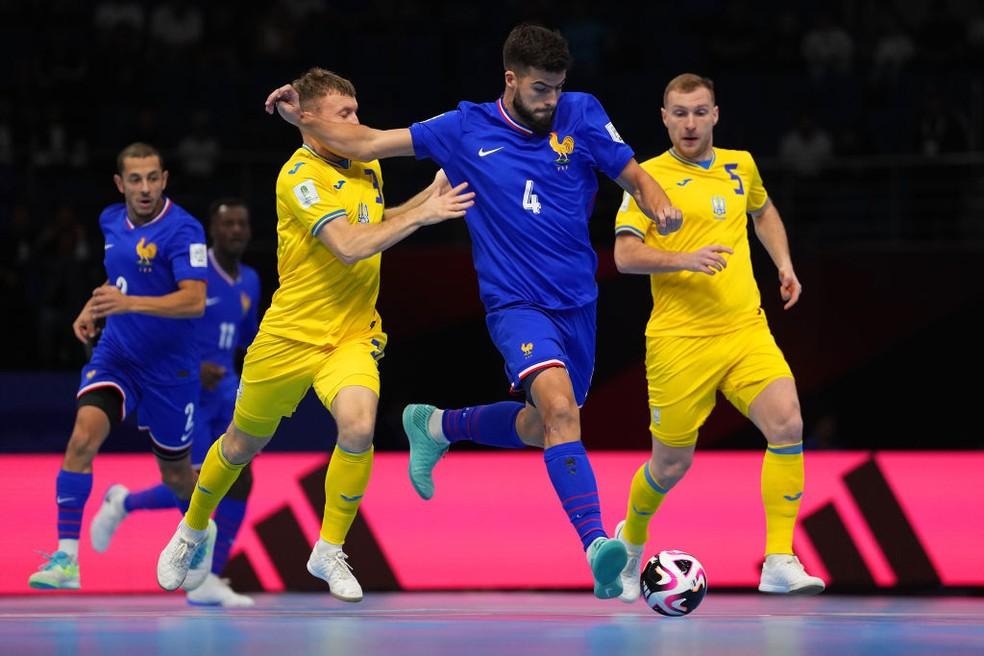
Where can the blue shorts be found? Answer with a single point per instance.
(532, 339)
(166, 411)
(214, 414)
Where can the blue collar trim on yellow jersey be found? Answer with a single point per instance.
(706, 164)
(343, 164)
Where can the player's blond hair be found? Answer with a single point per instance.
(317, 82)
(688, 82)
(139, 150)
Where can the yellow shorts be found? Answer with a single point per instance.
(685, 373)
(278, 371)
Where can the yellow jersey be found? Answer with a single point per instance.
(715, 202)
(322, 300)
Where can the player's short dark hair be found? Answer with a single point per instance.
(140, 150)
(534, 46)
(231, 201)
(318, 82)
(688, 82)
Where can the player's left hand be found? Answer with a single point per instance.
(287, 103)
(669, 219)
(789, 288)
(108, 300)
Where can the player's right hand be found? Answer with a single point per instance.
(287, 103)
(669, 219)
(210, 374)
(708, 259)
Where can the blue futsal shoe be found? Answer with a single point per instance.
(424, 451)
(607, 558)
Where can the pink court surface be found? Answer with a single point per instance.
(475, 624)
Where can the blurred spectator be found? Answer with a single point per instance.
(827, 48)
(893, 51)
(806, 149)
(17, 288)
(62, 254)
(54, 146)
(177, 24)
(198, 151)
(6, 134)
(109, 15)
(940, 127)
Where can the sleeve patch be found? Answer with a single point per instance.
(198, 255)
(625, 202)
(613, 133)
(307, 193)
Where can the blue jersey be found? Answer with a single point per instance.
(150, 260)
(534, 195)
(230, 319)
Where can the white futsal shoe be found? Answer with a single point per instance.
(630, 573)
(329, 563)
(187, 558)
(784, 574)
(217, 592)
(107, 520)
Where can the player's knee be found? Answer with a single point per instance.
(668, 471)
(560, 413)
(356, 437)
(239, 448)
(787, 426)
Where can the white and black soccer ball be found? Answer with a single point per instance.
(673, 583)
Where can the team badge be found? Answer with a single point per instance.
(145, 254)
(657, 416)
(719, 207)
(563, 148)
(89, 374)
(245, 301)
(363, 213)
(527, 349)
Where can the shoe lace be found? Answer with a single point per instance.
(51, 560)
(339, 560)
(184, 553)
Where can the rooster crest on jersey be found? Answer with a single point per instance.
(563, 148)
(145, 254)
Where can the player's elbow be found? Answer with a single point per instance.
(623, 258)
(349, 255)
(195, 307)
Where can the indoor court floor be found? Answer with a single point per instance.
(473, 624)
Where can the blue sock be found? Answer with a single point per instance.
(71, 492)
(228, 518)
(153, 498)
(573, 479)
(491, 425)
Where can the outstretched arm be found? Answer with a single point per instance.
(772, 233)
(353, 141)
(650, 198)
(353, 242)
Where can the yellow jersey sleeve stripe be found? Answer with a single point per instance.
(325, 220)
(627, 229)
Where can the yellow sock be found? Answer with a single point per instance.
(782, 489)
(645, 495)
(345, 483)
(214, 480)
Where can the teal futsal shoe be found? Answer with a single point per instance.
(607, 559)
(60, 572)
(424, 450)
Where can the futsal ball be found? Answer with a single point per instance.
(673, 583)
